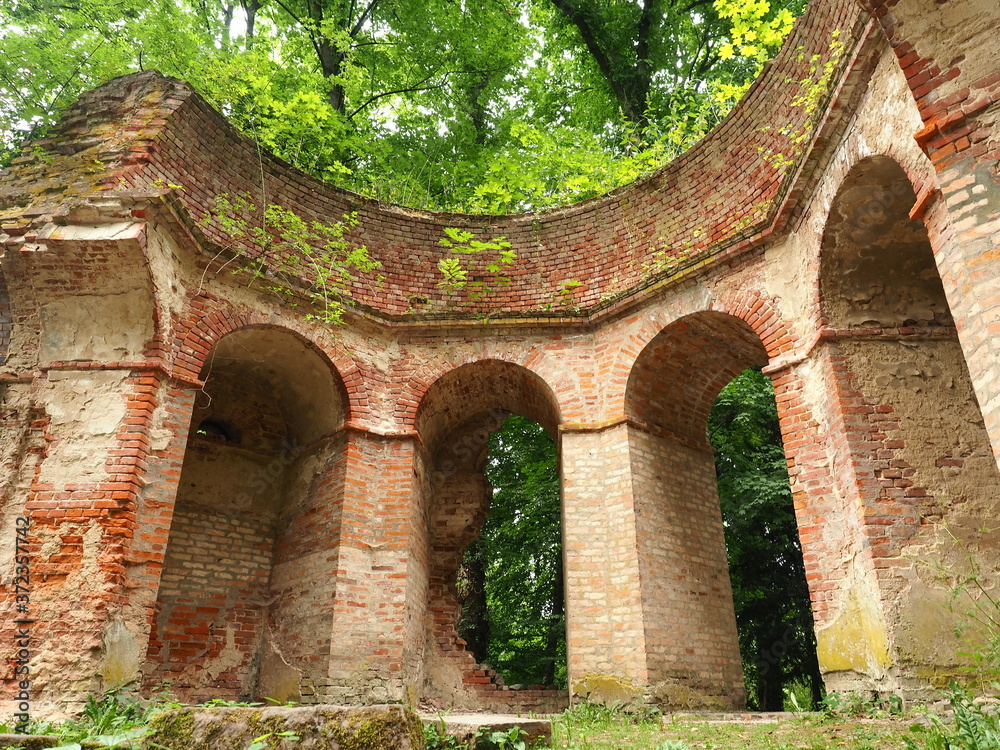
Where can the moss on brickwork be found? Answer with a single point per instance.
(28, 742)
(318, 728)
(605, 688)
(171, 729)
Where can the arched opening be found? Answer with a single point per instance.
(455, 420)
(511, 583)
(244, 604)
(693, 654)
(917, 460)
(774, 616)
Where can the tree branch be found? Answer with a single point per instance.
(364, 17)
(603, 60)
(414, 87)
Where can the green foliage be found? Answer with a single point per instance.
(456, 275)
(287, 252)
(112, 721)
(861, 705)
(589, 715)
(520, 552)
(435, 738)
(503, 739)
(118, 721)
(812, 90)
(974, 599)
(773, 612)
(973, 726)
(756, 32)
(487, 107)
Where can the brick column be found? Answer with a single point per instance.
(692, 649)
(893, 477)
(379, 588)
(82, 506)
(648, 600)
(847, 604)
(606, 644)
(458, 506)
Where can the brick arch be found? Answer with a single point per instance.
(548, 372)
(877, 267)
(855, 149)
(677, 376)
(753, 307)
(479, 388)
(193, 352)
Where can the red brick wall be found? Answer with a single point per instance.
(6, 319)
(211, 603)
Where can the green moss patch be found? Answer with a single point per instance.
(304, 728)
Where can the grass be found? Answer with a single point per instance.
(117, 722)
(796, 732)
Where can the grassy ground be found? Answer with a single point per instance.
(796, 732)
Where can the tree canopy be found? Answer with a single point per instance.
(480, 105)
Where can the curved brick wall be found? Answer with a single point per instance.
(153, 133)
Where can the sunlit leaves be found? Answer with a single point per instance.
(756, 31)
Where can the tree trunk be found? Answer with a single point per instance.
(250, 7)
(475, 615)
(557, 626)
(772, 698)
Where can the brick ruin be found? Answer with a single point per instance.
(227, 495)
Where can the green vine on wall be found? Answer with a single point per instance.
(287, 252)
(456, 275)
(812, 88)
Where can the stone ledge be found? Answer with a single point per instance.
(29, 741)
(386, 727)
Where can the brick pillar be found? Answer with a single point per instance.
(648, 599)
(848, 613)
(946, 53)
(168, 438)
(606, 643)
(458, 506)
(81, 505)
(893, 479)
(692, 650)
(379, 588)
(303, 579)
